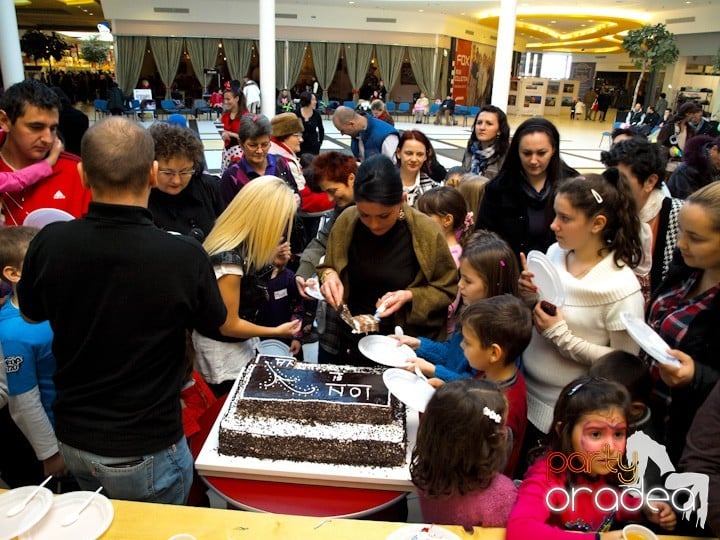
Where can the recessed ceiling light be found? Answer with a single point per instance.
(21, 3)
(420, 10)
(553, 22)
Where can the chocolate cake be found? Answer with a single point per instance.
(321, 413)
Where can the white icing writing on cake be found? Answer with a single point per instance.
(354, 390)
(289, 382)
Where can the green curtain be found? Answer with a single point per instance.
(441, 90)
(203, 52)
(325, 57)
(421, 61)
(129, 53)
(280, 81)
(390, 59)
(357, 56)
(296, 54)
(167, 53)
(238, 53)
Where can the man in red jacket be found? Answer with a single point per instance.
(29, 116)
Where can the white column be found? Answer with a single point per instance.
(267, 56)
(504, 53)
(10, 55)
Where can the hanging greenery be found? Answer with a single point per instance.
(94, 50)
(40, 46)
(650, 48)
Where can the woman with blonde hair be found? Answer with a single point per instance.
(246, 238)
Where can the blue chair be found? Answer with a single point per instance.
(470, 113)
(101, 107)
(608, 134)
(350, 104)
(460, 111)
(403, 109)
(390, 106)
(200, 106)
(168, 107)
(434, 108)
(133, 108)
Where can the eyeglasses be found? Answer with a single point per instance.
(253, 147)
(169, 174)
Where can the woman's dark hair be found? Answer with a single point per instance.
(502, 140)
(697, 155)
(416, 135)
(175, 141)
(640, 155)
(476, 451)
(378, 181)
(238, 93)
(306, 99)
(446, 201)
(594, 195)
(582, 396)
(331, 167)
(556, 170)
(494, 261)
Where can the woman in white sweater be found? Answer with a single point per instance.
(596, 227)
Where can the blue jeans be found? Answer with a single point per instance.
(162, 477)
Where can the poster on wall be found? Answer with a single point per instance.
(584, 73)
(533, 97)
(474, 65)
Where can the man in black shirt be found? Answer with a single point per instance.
(119, 294)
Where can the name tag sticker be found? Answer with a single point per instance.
(282, 293)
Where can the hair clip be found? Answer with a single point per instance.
(597, 196)
(502, 263)
(574, 389)
(469, 221)
(492, 415)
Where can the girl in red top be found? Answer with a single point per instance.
(234, 105)
(589, 431)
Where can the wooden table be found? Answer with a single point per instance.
(158, 522)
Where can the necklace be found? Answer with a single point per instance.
(579, 273)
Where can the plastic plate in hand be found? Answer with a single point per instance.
(408, 388)
(385, 350)
(44, 216)
(648, 339)
(546, 278)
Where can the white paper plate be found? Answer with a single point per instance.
(648, 339)
(314, 291)
(546, 278)
(408, 388)
(38, 506)
(411, 532)
(93, 521)
(44, 216)
(384, 350)
(273, 347)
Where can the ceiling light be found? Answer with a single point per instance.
(420, 10)
(21, 3)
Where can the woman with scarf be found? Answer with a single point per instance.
(488, 143)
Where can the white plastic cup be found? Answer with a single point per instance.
(638, 532)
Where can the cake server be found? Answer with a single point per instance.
(19, 507)
(346, 316)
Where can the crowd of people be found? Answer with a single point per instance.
(110, 324)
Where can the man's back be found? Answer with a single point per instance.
(119, 294)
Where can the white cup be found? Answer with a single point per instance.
(638, 532)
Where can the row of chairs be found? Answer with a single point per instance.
(167, 107)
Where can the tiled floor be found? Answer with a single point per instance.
(579, 140)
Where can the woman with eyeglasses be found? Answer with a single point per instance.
(185, 200)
